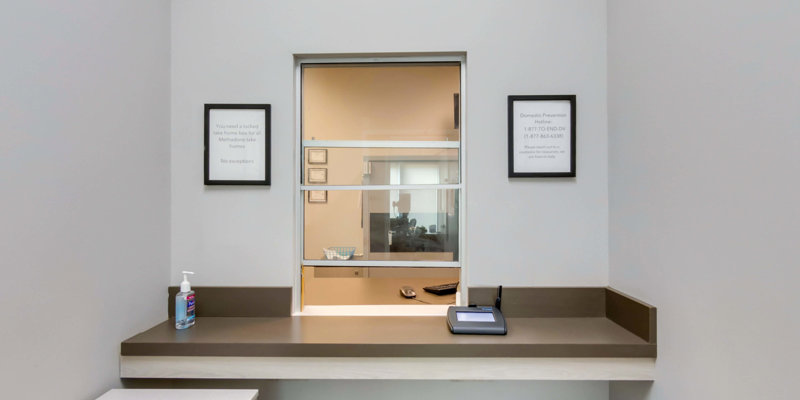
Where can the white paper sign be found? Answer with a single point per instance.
(237, 148)
(542, 136)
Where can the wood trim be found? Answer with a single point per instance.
(632, 314)
(221, 301)
(475, 369)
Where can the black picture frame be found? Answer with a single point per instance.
(208, 108)
(571, 172)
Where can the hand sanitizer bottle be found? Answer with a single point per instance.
(184, 304)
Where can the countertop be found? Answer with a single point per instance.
(322, 336)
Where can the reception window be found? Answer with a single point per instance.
(381, 177)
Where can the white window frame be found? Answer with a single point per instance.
(299, 190)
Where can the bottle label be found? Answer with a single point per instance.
(190, 307)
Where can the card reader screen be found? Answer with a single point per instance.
(465, 316)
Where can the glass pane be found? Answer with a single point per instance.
(414, 102)
(375, 285)
(381, 225)
(380, 166)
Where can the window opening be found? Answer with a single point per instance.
(381, 180)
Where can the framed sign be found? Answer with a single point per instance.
(317, 156)
(317, 175)
(237, 144)
(541, 136)
(317, 196)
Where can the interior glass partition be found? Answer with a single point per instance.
(381, 180)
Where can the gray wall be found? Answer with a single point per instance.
(702, 158)
(84, 189)
(522, 232)
(704, 136)
(242, 52)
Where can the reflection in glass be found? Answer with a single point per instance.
(385, 225)
(386, 166)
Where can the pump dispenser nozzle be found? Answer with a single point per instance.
(185, 285)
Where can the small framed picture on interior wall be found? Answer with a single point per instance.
(541, 136)
(317, 156)
(317, 175)
(317, 196)
(237, 144)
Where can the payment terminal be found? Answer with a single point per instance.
(478, 320)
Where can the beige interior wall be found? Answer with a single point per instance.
(335, 223)
(450, 273)
(380, 102)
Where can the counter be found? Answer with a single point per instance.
(581, 345)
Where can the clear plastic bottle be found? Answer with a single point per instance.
(184, 304)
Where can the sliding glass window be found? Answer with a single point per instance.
(381, 157)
